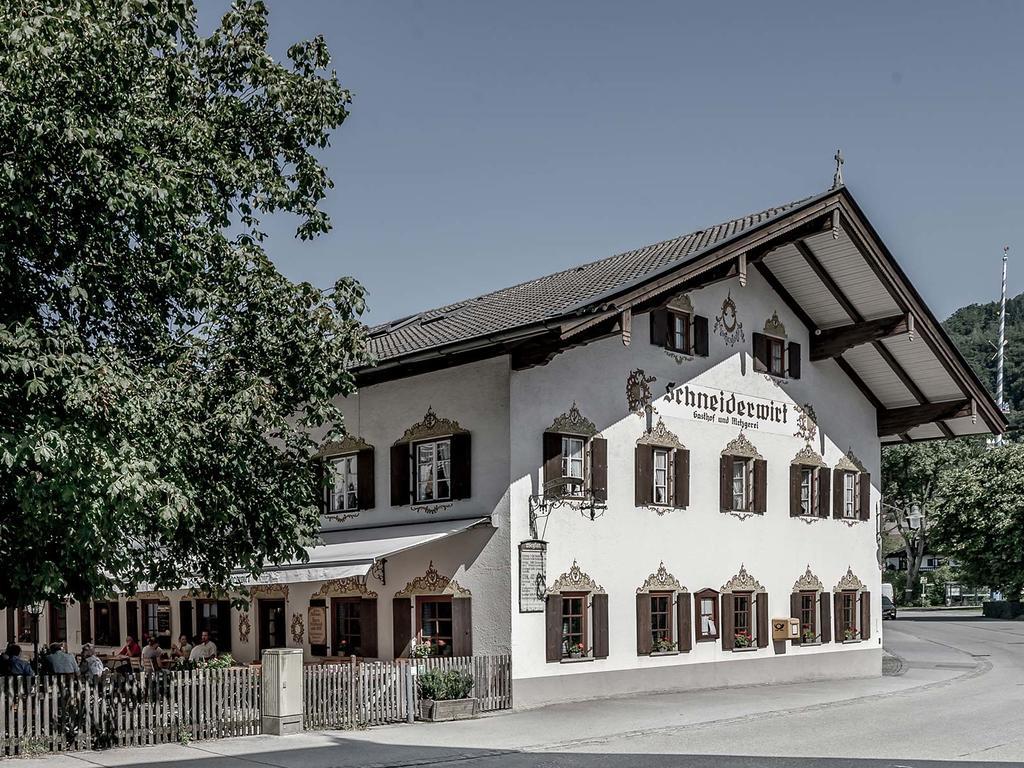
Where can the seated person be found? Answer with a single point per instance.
(131, 648)
(152, 654)
(58, 661)
(17, 666)
(206, 649)
(91, 665)
(182, 648)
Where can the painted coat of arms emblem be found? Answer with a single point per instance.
(727, 324)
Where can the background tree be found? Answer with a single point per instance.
(912, 482)
(161, 383)
(980, 518)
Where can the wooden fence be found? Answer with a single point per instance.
(358, 694)
(54, 714)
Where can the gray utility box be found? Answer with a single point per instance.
(282, 691)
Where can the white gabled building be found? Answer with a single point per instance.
(619, 473)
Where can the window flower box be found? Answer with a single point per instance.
(743, 639)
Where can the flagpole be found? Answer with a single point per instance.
(1002, 343)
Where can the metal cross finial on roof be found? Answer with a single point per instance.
(837, 179)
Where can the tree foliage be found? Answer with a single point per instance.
(160, 380)
(980, 519)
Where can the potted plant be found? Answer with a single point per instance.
(808, 634)
(444, 695)
(850, 633)
(421, 650)
(576, 651)
(664, 645)
(743, 639)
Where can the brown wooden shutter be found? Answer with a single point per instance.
(223, 626)
(599, 468)
(644, 641)
(365, 478)
(85, 618)
(401, 625)
(760, 486)
(864, 492)
(763, 629)
(131, 626)
(599, 612)
(643, 489)
(684, 618)
(725, 484)
(795, 477)
(793, 353)
(12, 633)
(700, 336)
(320, 479)
(725, 621)
(462, 470)
(760, 350)
(825, 617)
(681, 481)
(462, 626)
(794, 611)
(401, 470)
(659, 326)
(865, 615)
(837, 493)
(185, 616)
(837, 615)
(824, 491)
(553, 627)
(552, 447)
(368, 627)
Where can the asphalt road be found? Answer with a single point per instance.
(957, 700)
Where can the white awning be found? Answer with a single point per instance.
(353, 552)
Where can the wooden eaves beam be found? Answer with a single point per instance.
(831, 343)
(895, 421)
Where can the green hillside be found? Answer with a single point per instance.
(975, 329)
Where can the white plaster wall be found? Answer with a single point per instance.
(701, 546)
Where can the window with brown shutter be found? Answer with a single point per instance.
(462, 626)
(401, 464)
(349, 480)
(804, 608)
(763, 635)
(700, 336)
(644, 475)
(824, 491)
(684, 630)
(553, 627)
(435, 624)
(760, 486)
(759, 349)
(865, 615)
(864, 496)
(368, 626)
(659, 327)
(401, 625)
(599, 468)
(804, 490)
(728, 614)
(365, 471)
(599, 610)
(705, 607)
(644, 641)
(725, 483)
(461, 466)
(744, 484)
(681, 481)
(793, 360)
(825, 614)
(575, 635)
(552, 447)
(661, 621)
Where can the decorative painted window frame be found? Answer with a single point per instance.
(349, 445)
(680, 305)
(740, 446)
(430, 428)
(850, 583)
(743, 582)
(807, 457)
(660, 436)
(808, 582)
(576, 581)
(573, 423)
(850, 463)
(661, 581)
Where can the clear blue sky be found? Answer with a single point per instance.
(494, 142)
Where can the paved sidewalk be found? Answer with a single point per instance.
(549, 729)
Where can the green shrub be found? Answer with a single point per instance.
(443, 685)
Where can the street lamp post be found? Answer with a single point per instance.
(35, 609)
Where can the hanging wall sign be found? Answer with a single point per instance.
(733, 409)
(532, 575)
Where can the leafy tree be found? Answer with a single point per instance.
(912, 482)
(160, 381)
(980, 518)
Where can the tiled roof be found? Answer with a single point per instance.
(551, 296)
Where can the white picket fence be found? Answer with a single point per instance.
(358, 693)
(54, 714)
(67, 713)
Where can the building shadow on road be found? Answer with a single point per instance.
(341, 752)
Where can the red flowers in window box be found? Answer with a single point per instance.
(743, 639)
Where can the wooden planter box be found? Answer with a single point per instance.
(453, 709)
